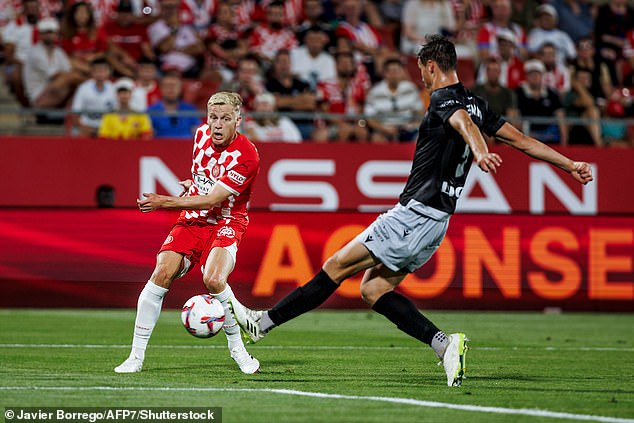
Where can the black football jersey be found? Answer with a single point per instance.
(442, 158)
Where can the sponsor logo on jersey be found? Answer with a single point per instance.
(474, 110)
(236, 177)
(451, 190)
(227, 232)
(168, 239)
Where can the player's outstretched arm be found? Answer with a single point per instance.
(580, 171)
(461, 122)
(153, 201)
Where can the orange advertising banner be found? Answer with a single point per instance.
(102, 258)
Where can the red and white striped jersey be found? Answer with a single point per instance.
(197, 14)
(362, 33)
(234, 168)
(267, 41)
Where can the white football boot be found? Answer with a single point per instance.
(454, 359)
(249, 321)
(247, 363)
(132, 364)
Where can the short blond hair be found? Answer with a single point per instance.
(224, 97)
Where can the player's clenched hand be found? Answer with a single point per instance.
(581, 172)
(489, 162)
(150, 202)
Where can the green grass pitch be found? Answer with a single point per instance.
(572, 367)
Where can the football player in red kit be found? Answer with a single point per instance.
(209, 228)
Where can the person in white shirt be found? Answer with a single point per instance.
(270, 127)
(311, 62)
(92, 99)
(47, 74)
(396, 100)
(546, 31)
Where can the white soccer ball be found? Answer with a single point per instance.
(203, 316)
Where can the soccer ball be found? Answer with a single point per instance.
(203, 316)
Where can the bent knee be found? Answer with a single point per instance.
(214, 283)
(370, 293)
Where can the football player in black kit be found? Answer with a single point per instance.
(403, 239)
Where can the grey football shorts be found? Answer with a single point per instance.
(403, 239)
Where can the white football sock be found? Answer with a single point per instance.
(148, 310)
(231, 328)
(266, 323)
(439, 343)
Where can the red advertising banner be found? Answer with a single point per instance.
(62, 172)
(102, 258)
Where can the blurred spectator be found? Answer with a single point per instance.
(177, 45)
(391, 11)
(575, 17)
(171, 117)
(546, 31)
(247, 81)
(422, 17)
(198, 14)
(292, 13)
(315, 17)
(82, 40)
(393, 106)
(469, 15)
(146, 84)
(614, 129)
(587, 60)
(48, 77)
(127, 39)
(365, 38)
(557, 76)
(225, 43)
(579, 103)
(512, 66)
(125, 124)
(523, 13)
(311, 62)
(344, 95)
(17, 39)
(628, 53)
(613, 21)
(93, 98)
(500, 19)
(270, 127)
(501, 99)
(268, 37)
(291, 94)
(534, 99)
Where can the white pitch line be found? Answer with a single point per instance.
(315, 347)
(394, 400)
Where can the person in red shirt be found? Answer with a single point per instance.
(128, 41)
(270, 37)
(81, 38)
(209, 229)
(345, 94)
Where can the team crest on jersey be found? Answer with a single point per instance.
(236, 177)
(215, 171)
(227, 232)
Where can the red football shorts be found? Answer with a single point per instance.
(195, 241)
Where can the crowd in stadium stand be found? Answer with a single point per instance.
(320, 59)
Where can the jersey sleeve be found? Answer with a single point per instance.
(238, 179)
(445, 103)
(492, 121)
